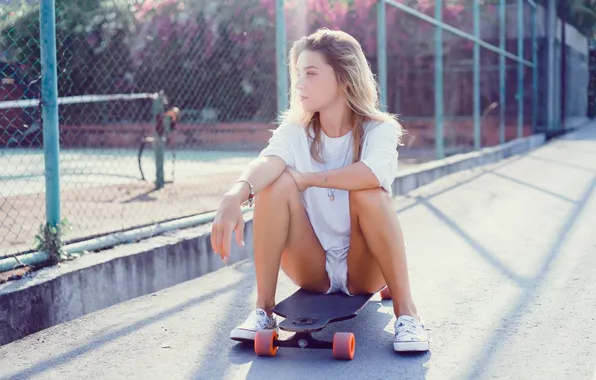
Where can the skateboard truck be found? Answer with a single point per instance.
(343, 344)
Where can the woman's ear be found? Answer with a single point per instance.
(345, 86)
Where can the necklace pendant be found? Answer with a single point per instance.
(331, 197)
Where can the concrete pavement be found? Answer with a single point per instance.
(502, 268)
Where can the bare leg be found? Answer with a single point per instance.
(376, 233)
(283, 235)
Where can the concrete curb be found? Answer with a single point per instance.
(94, 281)
(432, 171)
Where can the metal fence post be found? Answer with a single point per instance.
(520, 68)
(49, 103)
(439, 132)
(382, 51)
(477, 144)
(551, 27)
(280, 56)
(158, 139)
(502, 73)
(534, 71)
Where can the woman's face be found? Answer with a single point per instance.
(316, 85)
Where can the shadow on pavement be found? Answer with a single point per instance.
(461, 183)
(567, 164)
(374, 359)
(59, 360)
(534, 187)
(532, 287)
(213, 364)
(484, 253)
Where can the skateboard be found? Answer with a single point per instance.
(305, 313)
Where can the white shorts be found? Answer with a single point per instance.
(337, 270)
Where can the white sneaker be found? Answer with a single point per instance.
(410, 335)
(256, 320)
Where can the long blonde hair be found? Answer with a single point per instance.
(344, 54)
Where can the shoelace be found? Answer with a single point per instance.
(410, 327)
(262, 320)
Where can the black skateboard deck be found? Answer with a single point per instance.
(305, 313)
(309, 312)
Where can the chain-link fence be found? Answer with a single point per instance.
(20, 133)
(213, 61)
(124, 67)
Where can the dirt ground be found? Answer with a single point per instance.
(92, 211)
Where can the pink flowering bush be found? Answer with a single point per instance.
(216, 59)
(221, 55)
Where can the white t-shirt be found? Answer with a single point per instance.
(331, 219)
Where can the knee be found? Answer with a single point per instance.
(282, 186)
(369, 198)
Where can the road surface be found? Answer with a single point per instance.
(502, 263)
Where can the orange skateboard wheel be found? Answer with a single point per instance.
(344, 346)
(385, 294)
(264, 343)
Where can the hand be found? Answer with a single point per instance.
(227, 219)
(299, 178)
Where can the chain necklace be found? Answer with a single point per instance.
(331, 192)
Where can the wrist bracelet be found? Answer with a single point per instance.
(249, 202)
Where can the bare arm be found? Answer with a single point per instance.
(353, 177)
(376, 168)
(260, 172)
